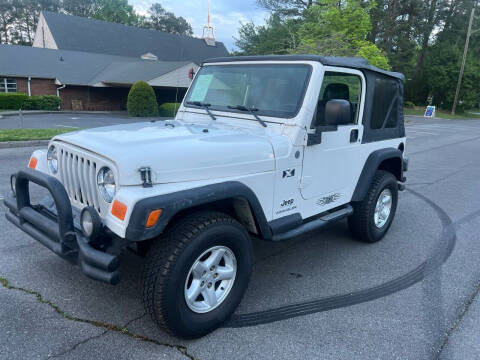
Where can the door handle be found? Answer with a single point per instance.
(354, 135)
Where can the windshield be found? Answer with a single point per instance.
(275, 90)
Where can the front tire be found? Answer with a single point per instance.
(373, 216)
(196, 276)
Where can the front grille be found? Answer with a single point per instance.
(78, 175)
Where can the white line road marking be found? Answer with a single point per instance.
(438, 128)
(422, 132)
(1, 198)
(65, 126)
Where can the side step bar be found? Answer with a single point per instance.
(315, 224)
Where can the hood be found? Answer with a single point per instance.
(176, 151)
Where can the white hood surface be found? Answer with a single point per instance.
(176, 151)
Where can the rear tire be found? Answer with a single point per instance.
(373, 216)
(184, 258)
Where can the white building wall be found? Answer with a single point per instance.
(176, 78)
(43, 35)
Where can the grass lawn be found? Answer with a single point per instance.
(441, 114)
(31, 134)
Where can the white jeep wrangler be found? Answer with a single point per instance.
(269, 147)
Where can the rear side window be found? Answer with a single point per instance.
(385, 104)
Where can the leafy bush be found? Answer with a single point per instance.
(49, 102)
(168, 109)
(142, 100)
(12, 101)
(31, 103)
(45, 102)
(409, 104)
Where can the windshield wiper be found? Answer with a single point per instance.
(250, 110)
(203, 106)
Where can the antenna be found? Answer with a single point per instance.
(208, 33)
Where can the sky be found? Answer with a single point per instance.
(226, 15)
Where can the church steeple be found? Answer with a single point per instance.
(208, 33)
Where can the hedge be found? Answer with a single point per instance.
(12, 101)
(141, 100)
(45, 102)
(168, 109)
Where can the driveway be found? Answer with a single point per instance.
(321, 296)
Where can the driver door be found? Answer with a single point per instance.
(330, 165)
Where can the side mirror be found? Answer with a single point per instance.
(338, 112)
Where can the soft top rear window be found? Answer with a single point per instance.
(385, 103)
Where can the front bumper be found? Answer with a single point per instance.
(57, 231)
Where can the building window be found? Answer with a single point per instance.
(8, 85)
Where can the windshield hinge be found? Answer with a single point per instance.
(146, 176)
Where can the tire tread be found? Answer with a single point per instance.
(359, 222)
(163, 255)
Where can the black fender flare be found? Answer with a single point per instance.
(171, 204)
(371, 166)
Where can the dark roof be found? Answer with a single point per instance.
(350, 62)
(79, 68)
(84, 34)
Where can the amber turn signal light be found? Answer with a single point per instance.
(33, 163)
(119, 210)
(153, 218)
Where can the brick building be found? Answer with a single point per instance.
(91, 64)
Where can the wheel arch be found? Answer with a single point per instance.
(232, 197)
(389, 159)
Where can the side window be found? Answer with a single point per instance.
(385, 104)
(8, 85)
(342, 86)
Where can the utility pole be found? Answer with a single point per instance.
(462, 68)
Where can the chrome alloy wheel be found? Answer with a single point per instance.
(210, 279)
(383, 208)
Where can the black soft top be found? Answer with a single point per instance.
(383, 112)
(349, 62)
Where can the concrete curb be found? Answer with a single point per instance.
(18, 144)
(41, 112)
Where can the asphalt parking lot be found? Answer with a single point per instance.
(321, 296)
(67, 120)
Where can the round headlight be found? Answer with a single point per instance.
(52, 159)
(106, 184)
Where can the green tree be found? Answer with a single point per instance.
(160, 19)
(396, 26)
(84, 8)
(277, 36)
(339, 29)
(141, 100)
(6, 20)
(286, 7)
(18, 18)
(118, 11)
(442, 61)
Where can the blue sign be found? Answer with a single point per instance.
(430, 111)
